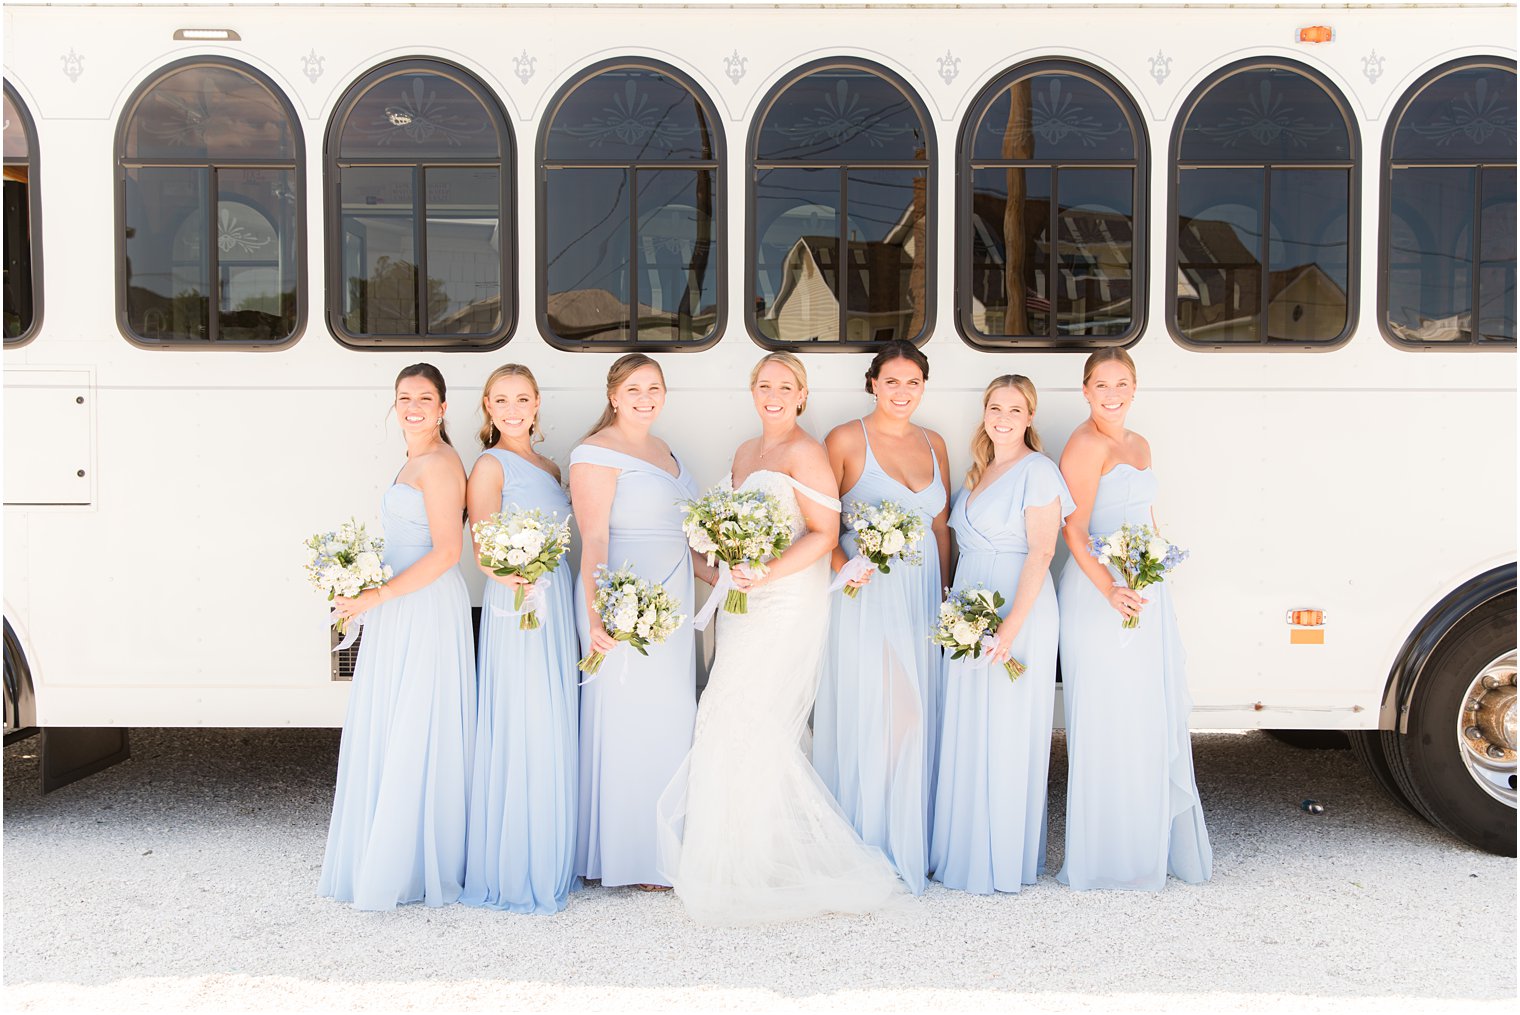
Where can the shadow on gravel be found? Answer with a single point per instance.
(198, 859)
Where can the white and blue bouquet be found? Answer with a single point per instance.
(968, 623)
(736, 527)
(345, 562)
(883, 533)
(633, 609)
(1140, 556)
(527, 543)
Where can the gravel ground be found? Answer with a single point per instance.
(185, 879)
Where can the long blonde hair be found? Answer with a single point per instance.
(789, 361)
(1112, 354)
(981, 444)
(489, 435)
(622, 368)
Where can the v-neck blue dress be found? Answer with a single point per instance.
(989, 807)
(877, 714)
(636, 722)
(521, 852)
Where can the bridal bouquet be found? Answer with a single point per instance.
(345, 562)
(968, 623)
(1139, 554)
(526, 543)
(883, 532)
(632, 609)
(737, 527)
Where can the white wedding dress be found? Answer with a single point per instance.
(748, 833)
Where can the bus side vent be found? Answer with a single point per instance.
(343, 662)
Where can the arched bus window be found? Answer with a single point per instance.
(1264, 211)
(211, 223)
(630, 214)
(1448, 230)
(1051, 201)
(840, 210)
(420, 237)
(23, 237)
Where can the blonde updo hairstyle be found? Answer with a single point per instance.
(981, 444)
(622, 368)
(489, 435)
(1113, 354)
(789, 361)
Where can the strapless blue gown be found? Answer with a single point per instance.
(877, 714)
(1132, 808)
(994, 755)
(398, 818)
(521, 851)
(636, 728)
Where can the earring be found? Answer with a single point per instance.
(614, 410)
(438, 421)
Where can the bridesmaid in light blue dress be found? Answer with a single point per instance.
(877, 713)
(989, 808)
(638, 713)
(521, 849)
(1132, 808)
(398, 818)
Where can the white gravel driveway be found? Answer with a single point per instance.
(185, 879)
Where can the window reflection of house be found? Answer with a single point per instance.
(586, 315)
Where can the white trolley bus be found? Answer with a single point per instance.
(227, 228)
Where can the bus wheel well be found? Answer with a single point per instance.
(20, 698)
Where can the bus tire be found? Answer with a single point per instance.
(1311, 740)
(1456, 762)
(1367, 745)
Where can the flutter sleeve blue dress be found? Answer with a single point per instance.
(638, 713)
(521, 852)
(877, 714)
(990, 799)
(398, 818)
(1132, 808)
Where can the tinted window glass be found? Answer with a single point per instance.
(1219, 254)
(17, 146)
(1051, 116)
(796, 238)
(1268, 114)
(1430, 280)
(1468, 114)
(842, 115)
(22, 289)
(417, 114)
(209, 113)
(630, 115)
(587, 253)
(1496, 282)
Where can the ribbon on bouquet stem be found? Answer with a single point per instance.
(533, 602)
(622, 667)
(720, 591)
(349, 636)
(855, 567)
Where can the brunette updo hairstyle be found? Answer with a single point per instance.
(489, 435)
(431, 374)
(622, 368)
(889, 351)
(981, 444)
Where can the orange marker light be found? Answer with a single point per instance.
(1316, 33)
(1306, 618)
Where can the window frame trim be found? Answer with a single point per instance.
(1353, 166)
(718, 166)
(1385, 208)
(1139, 216)
(930, 167)
(296, 165)
(34, 215)
(332, 220)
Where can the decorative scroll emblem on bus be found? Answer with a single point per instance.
(419, 116)
(524, 66)
(73, 65)
(631, 119)
(311, 65)
(232, 236)
(1161, 66)
(1265, 120)
(1477, 116)
(1372, 66)
(735, 66)
(949, 66)
(841, 118)
(1054, 117)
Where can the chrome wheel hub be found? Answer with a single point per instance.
(1486, 728)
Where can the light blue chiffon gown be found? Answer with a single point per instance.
(994, 753)
(1132, 808)
(398, 818)
(877, 714)
(521, 851)
(636, 723)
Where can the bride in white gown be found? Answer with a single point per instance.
(748, 832)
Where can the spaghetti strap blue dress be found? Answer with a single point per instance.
(1132, 808)
(521, 848)
(877, 714)
(398, 817)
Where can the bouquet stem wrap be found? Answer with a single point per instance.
(527, 605)
(853, 568)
